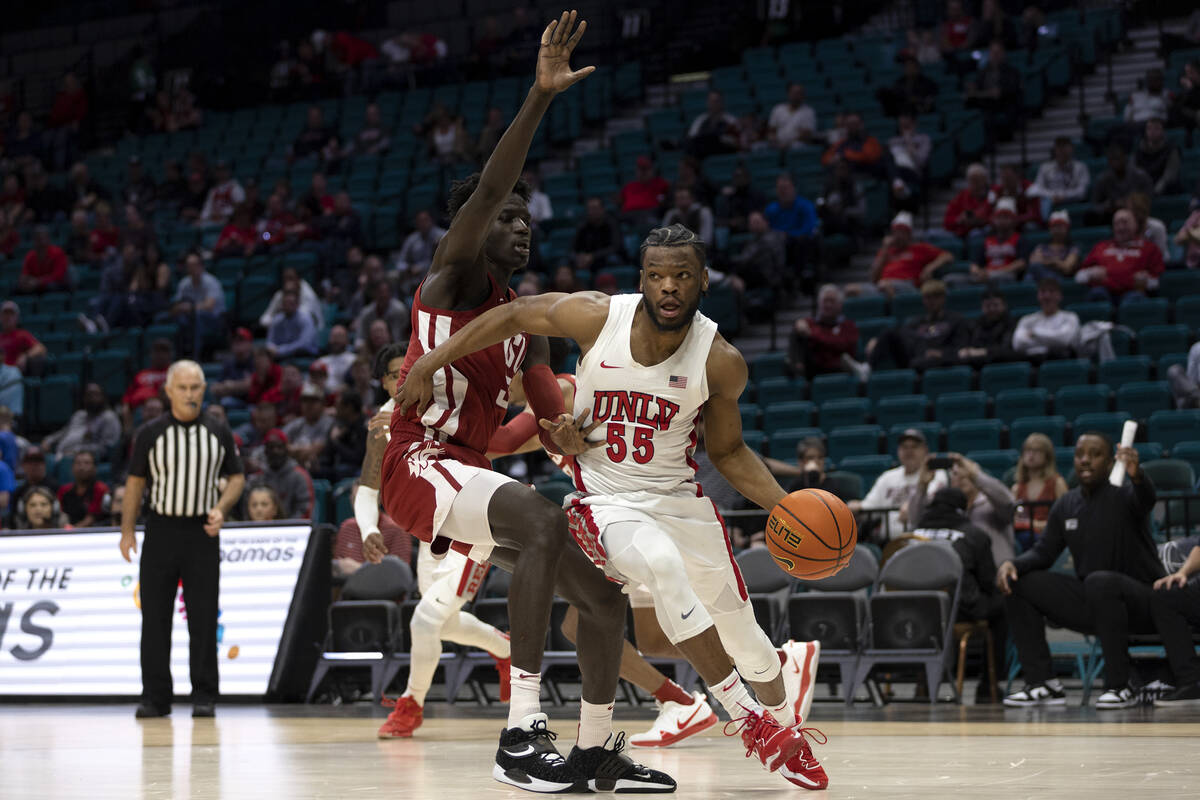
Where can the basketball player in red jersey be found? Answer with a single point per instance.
(437, 482)
(650, 366)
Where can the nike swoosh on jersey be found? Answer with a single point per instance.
(688, 721)
(609, 366)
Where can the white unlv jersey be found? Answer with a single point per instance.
(649, 414)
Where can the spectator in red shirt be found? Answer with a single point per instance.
(45, 267)
(86, 501)
(148, 382)
(104, 239)
(66, 115)
(21, 348)
(347, 547)
(862, 150)
(1002, 254)
(264, 382)
(1028, 209)
(901, 265)
(643, 198)
(239, 237)
(957, 28)
(819, 343)
(971, 209)
(1124, 266)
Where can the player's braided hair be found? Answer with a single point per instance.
(461, 190)
(385, 356)
(674, 236)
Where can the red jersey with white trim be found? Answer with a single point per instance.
(649, 413)
(470, 395)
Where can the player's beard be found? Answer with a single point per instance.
(682, 321)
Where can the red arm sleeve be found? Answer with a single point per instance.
(545, 398)
(514, 433)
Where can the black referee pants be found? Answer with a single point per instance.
(1110, 605)
(175, 549)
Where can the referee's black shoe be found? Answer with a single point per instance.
(150, 711)
(204, 710)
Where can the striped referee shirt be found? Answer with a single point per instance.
(181, 463)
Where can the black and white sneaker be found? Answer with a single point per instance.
(1043, 694)
(1119, 697)
(1183, 697)
(605, 770)
(528, 759)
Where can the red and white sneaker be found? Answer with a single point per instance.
(765, 739)
(405, 718)
(803, 769)
(677, 722)
(800, 673)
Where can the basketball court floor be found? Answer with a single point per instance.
(901, 752)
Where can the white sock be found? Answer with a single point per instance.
(595, 724)
(526, 695)
(464, 628)
(784, 713)
(733, 695)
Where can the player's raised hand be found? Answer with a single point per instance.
(570, 435)
(417, 389)
(554, 73)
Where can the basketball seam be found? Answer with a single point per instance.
(810, 530)
(836, 525)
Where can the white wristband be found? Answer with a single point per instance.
(366, 511)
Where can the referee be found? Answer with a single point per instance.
(181, 457)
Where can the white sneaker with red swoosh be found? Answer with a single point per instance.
(677, 722)
(800, 673)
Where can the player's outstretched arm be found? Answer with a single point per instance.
(461, 244)
(579, 316)
(723, 441)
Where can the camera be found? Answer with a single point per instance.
(940, 462)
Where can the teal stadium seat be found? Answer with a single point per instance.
(1188, 451)
(956, 406)
(1013, 403)
(994, 378)
(749, 413)
(901, 409)
(995, 462)
(1187, 309)
(795, 414)
(1142, 398)
(944, 380)
(1139, 314)
(768, 365)
(1171, 427)
(855, 440)
(779, 390)
(1053, 375)
(1088, 398)
(1109, 423)
(832, 387)
(1124, 369)
(754, 440)
(1053, 426)
(844, 411)
(868, 467)
(890, 383)
(974, 434)
(1159, 340)
(782, 443)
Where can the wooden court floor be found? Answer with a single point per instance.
(292, 752)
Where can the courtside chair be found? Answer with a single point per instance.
(912, 613)
(365, 627)
(833, 611)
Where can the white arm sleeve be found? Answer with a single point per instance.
(366, 511)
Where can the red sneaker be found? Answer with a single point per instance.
(803, 769)
(503, 667)
(405, 718)
(766, 739)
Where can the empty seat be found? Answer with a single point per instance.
(1187, 310)
(1170, 474)
(1071, 401)
(855, 440)
(831, 387)
(890, 382)
(844, 411)
(768, 365)
(1124, 369)
(956, 406)
(1159, 340)
(1013, 403)
(1053, 426)
(778, 390)
(903, 408)
(974, 434)
(943, 380)
(1093, 312)
(1138, 314)
(857, 308)
(1053, 375)
(1109, 423)
(782, 443)
(1166, 427)
(994, 378)
(1188, 451)
(796, 414)
(1143, 398)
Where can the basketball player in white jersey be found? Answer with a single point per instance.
(681, 714)
(446, 584)
(650, 366)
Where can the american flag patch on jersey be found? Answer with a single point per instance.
(677, 382)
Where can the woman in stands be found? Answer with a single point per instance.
(262, 504)
(1038, 481)
(40, 511)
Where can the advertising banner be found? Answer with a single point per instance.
(70, 621)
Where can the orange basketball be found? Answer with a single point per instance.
(811, 534)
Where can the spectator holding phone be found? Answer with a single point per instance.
(989, 502)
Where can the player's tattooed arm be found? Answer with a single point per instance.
(745, 471)
(372, 465)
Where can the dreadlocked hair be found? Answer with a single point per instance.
(674, 236)
(461, 190)
(385, 356)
